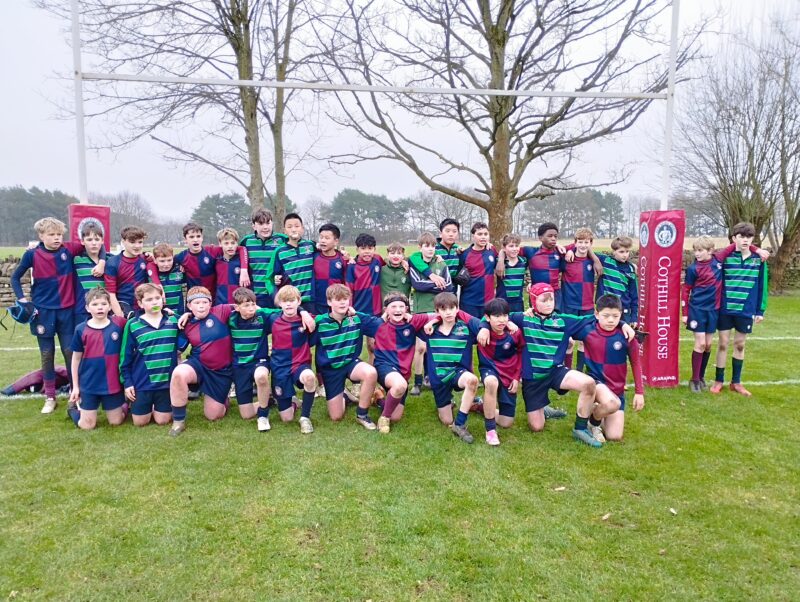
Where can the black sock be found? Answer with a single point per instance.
(418, 380)
(720, 375)
(308, 403)
(594, 421)
(703, 364)
(737, 371)
(581, 361)
(580, 423)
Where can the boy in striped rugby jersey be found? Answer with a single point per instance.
(329, 265)
(262, 245)
(511, 270)
(165, 271)
(619, 278)
(547, 335)
(88, 266)
(450, 338)
(337, 343)
(249, 331)
(150, 349)
(446, 246)
(294, 262)
(126, 271)
(544, 261)
(577, 284)
(480, 259)
(96, 347)
(229, 269)
(744, 301)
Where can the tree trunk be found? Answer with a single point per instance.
(501, 212)
(781, 260)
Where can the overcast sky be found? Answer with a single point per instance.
(39, 148)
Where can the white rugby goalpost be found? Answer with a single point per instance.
(80, 76)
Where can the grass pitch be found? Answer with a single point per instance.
(699, 502)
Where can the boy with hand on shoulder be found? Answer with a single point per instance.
(363, 277)
(52, 303)
(510, 271)
(150, 349)
(608, 352)
(291, 358)
(577, 283)
(89, 266)
(126, 271)
(96, 349)
(262, 245)
(337, 342)
(329, 265)
(394, 274)
(228, 266)
(619, 278)
(480, 259)
(294, 262)
(744, 301)
(544, 261)
(164, 270)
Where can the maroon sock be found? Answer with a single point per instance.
(390, 405)
(568, 361)
(50, 388)
(697, 360)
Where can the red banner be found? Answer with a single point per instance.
(660, 263)
(79, 214)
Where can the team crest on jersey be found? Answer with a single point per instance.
(338, 265)
(206, 260)
(403, 280)
(460, 330)
(617, 345)
(141, 266)
(556, 256)
(114, 336)
(491, 258)
(406, 332)
(278, 391)
(63, 257)
(693, 323)
(236, 270)
(506, 345)
(40, 329)
(149, 272)
(589, 266)
(717, 265)
(377, 269)
(209, 323)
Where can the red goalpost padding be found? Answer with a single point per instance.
(661, 235)
(81, 213)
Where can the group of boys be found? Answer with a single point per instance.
(133, 323)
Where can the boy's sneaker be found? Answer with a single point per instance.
(384, 425)
(263, 424)
(50, 405)
(694, 386)
(320, 392)
(738, 388)
(177, 429)
(553, 413)
(306, 428)
(426, 382)
(492, 438)
(597, 433)
(366, 422)
(715, 388)
(415, 391)
(703, 384)
(584, 436)
(462, 433)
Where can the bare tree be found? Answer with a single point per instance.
(216, 127)
(524, 146)
(313, 214)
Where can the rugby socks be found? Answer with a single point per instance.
(581, 423)
(74, 414)
(737, 371)
(262, 412)
(581, 361)
(595, 421)
(50, 388)
(389, 405)
(178, 413)
(418, 380)
(461, 418)
(704, 363)
(308, 403)
(362, 412)
(568, 361)
(491, 424)
(720, 375)
(697, 362)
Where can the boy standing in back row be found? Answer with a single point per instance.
(262, 245)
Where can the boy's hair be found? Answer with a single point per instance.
(608, 302)
(337, 292)
(191, 227)
(144, 288)
(92, 227)
(49, 223)
(584, 234)
(261, 216)
(96, 293)
(162, 249)
(445, 301)
(426, 238)
(395, 296)
(478, 226)
(196, 292)
(332, 228)
(132, 233)
(395, 247)
(744, 229)
(365, 240)
(449, 221)
(288, 293)
(292, 216)
(227, 233)
(545, 227)
(496, 307)
(704, 242)
(621, 242)
(510, 238)
(242, 295)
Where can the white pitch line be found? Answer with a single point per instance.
(753, 338)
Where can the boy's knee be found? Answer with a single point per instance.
(589, 386)
(490, 384)
(472, 382)
(162, 420)
(262, 379)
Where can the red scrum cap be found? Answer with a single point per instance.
(540, 288)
